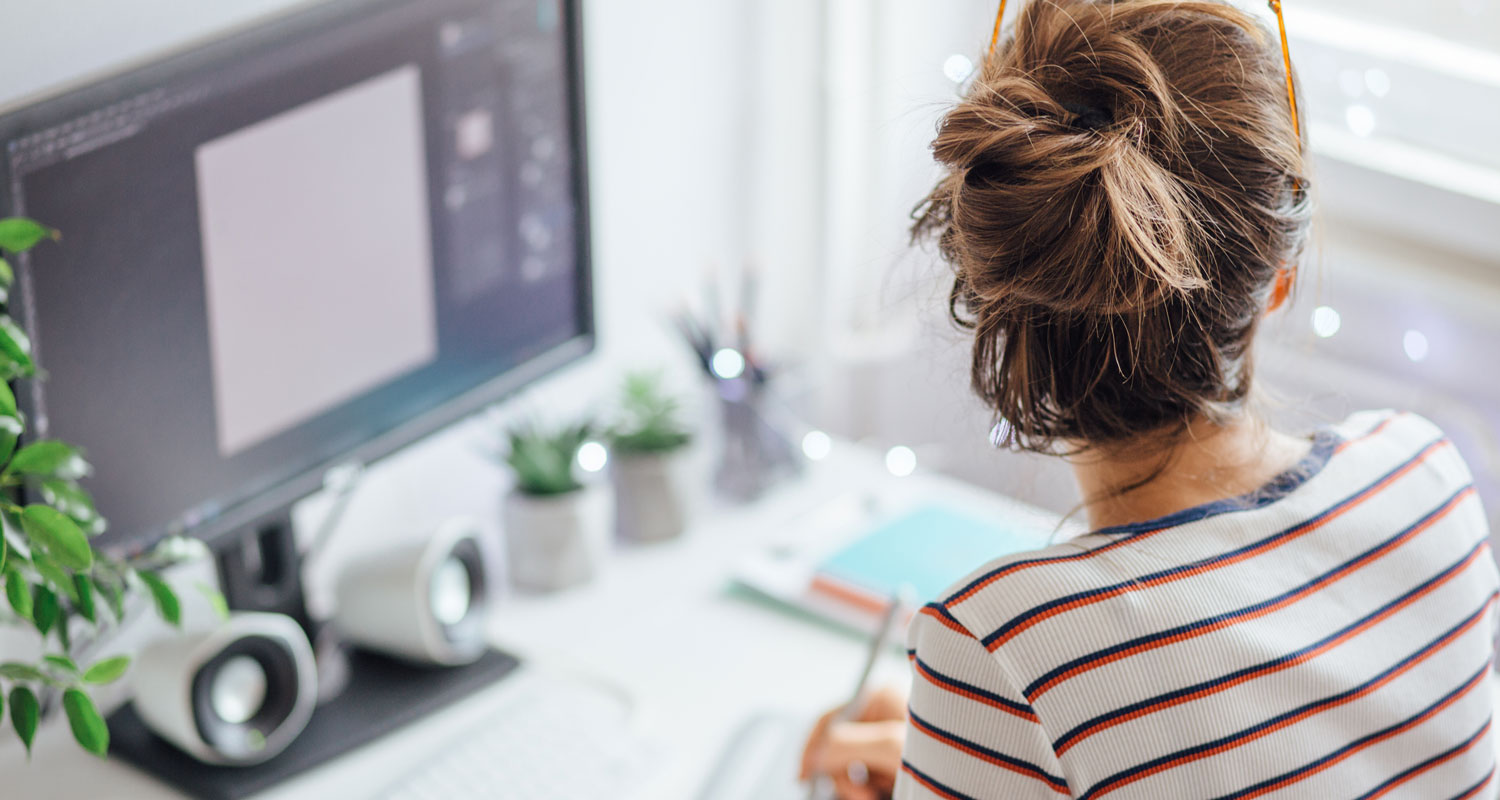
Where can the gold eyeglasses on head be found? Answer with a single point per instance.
(1286, 57)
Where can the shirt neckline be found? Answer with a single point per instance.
(1325, 442)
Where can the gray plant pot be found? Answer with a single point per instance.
(654, 494)
(554, 543)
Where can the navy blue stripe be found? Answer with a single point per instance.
(1416, 768)
(1363, 740)
(1084, 727)
(1097, 655)
(952, 793)
(953, 739)
(1023, 708)
(1469, 792)
(1315, 705)
(1325, 442)
(946, 614)
(1295, 530)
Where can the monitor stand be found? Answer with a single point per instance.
(382, 695)
(260, 570)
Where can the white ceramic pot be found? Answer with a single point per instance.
(653, 494)
(560, 541)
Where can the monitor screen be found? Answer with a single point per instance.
(312, 241)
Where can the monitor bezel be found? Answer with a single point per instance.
(274, 501)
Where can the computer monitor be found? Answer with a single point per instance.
(310, 242)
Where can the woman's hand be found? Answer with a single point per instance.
(868, 747)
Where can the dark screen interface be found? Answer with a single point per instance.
(295, 245)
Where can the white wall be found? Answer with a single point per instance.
(673, 123)
(678, 116)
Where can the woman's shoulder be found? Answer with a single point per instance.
(1369, 451)
(1402, 442)
(1004, 588)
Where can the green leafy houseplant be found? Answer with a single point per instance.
(650, 419)
(55, 581)
(543, 458)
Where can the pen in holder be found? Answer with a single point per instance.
(755, 451)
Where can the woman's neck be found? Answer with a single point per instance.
(1209, 462)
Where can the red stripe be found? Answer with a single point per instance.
(947, 622)
(1015, 712)
(931, 787)
(1302, 659)
(1469, 745)
(1289, 721)
(1373, 431)
(1477, 789)
(1311, 589)
(985, 757)
(1478, 679)
(1014, 568)
(1134, 586)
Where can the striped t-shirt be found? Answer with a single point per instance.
(1329, 636)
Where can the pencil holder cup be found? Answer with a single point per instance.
(755, 452)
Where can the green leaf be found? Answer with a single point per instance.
(215, 599)
(44, 608)
(18, 593)
(114, 597)
(7, 275)
(24, 712)
(107, 671)
(15, 345)
(71, 499)
(83, 587)
(167, 604)
(16, 671)
(7, 397)
(50, 459)
(64, 639)
(10, 433)
(18, 234)
(88, 727)
(54, 574)
(62, 662)
(60, 535)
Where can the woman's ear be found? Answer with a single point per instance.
(1286, 278)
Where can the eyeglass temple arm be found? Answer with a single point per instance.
(1286, 57)
(995, 36)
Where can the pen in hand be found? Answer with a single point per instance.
(820, 786)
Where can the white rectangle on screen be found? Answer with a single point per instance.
(317, 256)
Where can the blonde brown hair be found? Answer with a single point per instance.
(1123, 183)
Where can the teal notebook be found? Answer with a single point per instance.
(929, 549)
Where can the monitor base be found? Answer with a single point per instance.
(382, 695)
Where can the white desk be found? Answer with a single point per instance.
(660, 623)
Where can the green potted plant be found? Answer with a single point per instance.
(55, 581)
(651, 469)
(557, 527)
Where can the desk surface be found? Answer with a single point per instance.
(660, 623)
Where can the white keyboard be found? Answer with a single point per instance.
(560, 741)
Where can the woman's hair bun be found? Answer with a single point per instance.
(1111, 159)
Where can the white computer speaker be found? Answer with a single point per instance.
(236, 695)
(425, 603)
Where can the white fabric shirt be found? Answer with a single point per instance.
(1328, 636)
